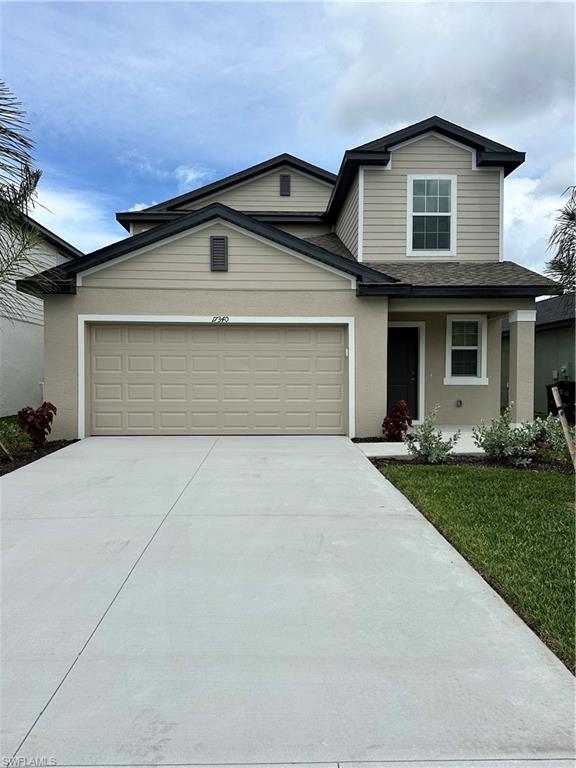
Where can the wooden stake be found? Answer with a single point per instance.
(6, 451)
(565, 426)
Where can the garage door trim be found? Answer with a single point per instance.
(212, 320)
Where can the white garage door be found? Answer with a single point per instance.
(222, 379)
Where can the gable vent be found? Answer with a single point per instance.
(285, 185)
(219, 253)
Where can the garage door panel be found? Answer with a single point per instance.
(155, 379)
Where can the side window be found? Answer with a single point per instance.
(431, 215)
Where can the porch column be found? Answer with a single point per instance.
(521, 370)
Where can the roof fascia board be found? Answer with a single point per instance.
(467, 291)
(351, 163)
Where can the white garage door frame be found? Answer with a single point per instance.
(214, 320)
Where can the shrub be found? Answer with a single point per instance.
(504, 442)
(37, 423)
(549, 440)
(12, 437)
(426, 442)
(396, 424)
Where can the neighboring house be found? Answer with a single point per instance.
(285, 299)
(553, 352)
(22, 333)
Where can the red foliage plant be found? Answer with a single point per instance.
(37, 423)
(395, 425)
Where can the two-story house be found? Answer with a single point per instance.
(285, 299)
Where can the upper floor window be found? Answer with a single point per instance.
(431, 215)
(285, 185)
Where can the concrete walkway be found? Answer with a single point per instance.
(465, 444)
(255, 600)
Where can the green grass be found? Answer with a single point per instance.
(516, 528)
(9, 420)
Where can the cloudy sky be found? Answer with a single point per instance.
(134, 102)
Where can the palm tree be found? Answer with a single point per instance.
(562, 266)
(18, 182)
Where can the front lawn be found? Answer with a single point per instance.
(516, 528)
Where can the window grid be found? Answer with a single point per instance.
(431, 214)
(465, 354)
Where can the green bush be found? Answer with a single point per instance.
(426, 442)
(505, 442)
(549, 440)
(13, 438)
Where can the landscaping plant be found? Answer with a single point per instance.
(505, 442)
(37, 423)
(426, 442)
(395, 425)
(549, 440)
(12, 439)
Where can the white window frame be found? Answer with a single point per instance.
(482, 377)
(410, 214)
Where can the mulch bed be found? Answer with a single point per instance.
(28, 455)
(476, 460)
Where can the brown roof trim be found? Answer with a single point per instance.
(273, 217)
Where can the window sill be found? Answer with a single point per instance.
(466, 380)
(430, 254)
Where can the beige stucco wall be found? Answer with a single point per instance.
(262, 193)
(521, 370)
(62, 327)
(385, 201)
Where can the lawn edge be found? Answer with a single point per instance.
(568, 663)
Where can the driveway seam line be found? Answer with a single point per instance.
(339, 763)
(111, 603)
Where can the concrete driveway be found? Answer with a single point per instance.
(255, 600)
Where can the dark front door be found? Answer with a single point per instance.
(403, 368)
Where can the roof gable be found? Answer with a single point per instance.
(183, 262)
(63, 279)
(242, 176)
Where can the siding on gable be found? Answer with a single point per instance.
(385, 202)
(262, 193)
(184, 263)
(347, 224)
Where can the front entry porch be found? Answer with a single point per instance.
(448, 354)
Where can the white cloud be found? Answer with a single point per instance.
(82, 218)
(528, 221)
(141, 206)
(188, 176)
(191, 177)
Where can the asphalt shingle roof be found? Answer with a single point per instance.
(445, 273)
